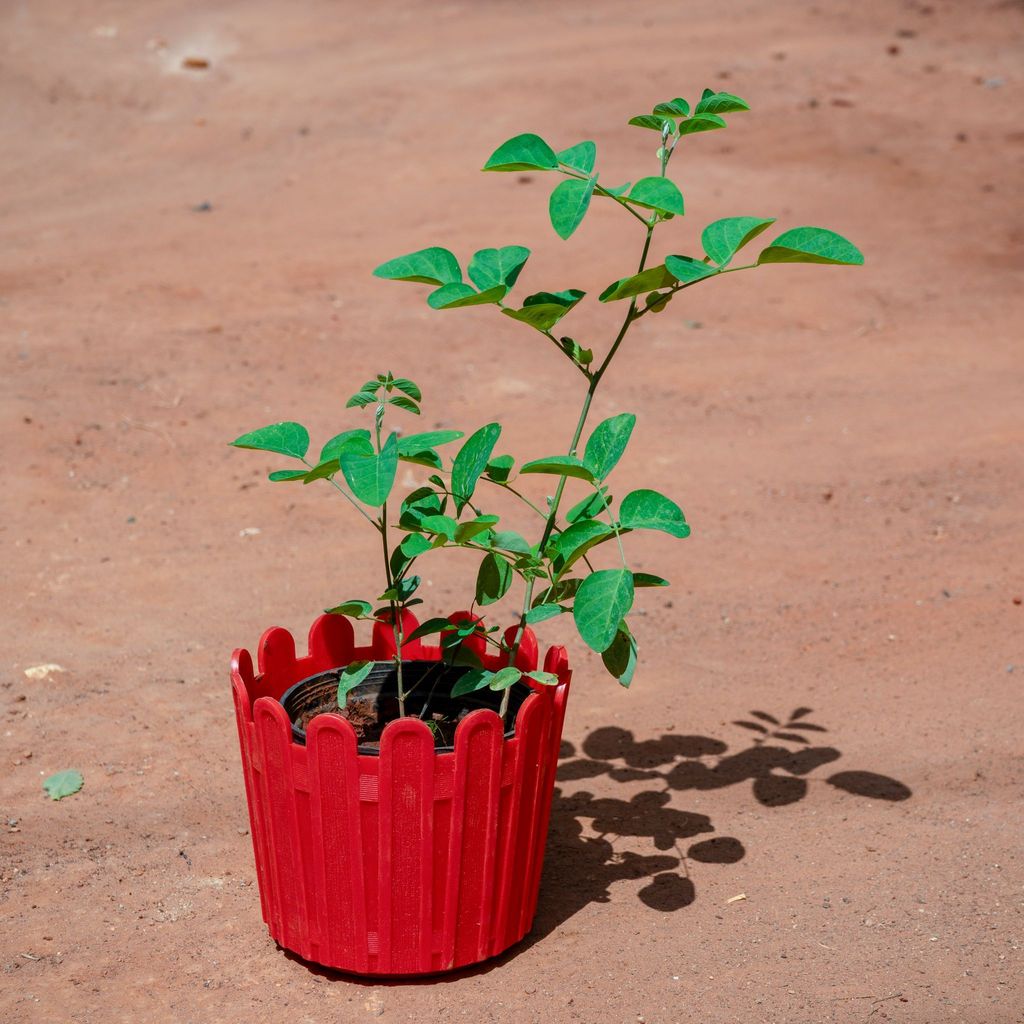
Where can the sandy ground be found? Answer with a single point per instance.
(847, 445)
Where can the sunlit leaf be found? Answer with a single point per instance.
(812, 245)
(428, 266)
(523, 153)
(283, 438)
(580, 157)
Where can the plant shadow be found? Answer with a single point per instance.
(779, 763)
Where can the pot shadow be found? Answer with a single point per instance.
(580, 868)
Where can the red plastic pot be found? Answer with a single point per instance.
(406, 862)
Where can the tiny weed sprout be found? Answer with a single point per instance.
(553, 572)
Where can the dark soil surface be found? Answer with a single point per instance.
(807, 808)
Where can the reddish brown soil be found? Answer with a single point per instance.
(186, 256)
(362, 714)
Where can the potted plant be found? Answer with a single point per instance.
(399, 789)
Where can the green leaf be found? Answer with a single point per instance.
(673, 108)
(647, 579)
(720, 103)
(283, 438)
(401, 591)
(700, 123)
(543, 612)
(493, 579)
(509, 540)
(426, 457)
(687, 270)
(544, 309)
(523, 153)
(325, 469)
(563, 590)
(649, 510)
(371, 476)
(408, 387)
(429, 628)
(471, 461)
(544, 678)
(649, 280)
(473, 680)
(811, 245)
(499, 468)
(402, 402)
(505, 677)
(491, 268)
(414, 545)
(607, 443)
(427, 266)
(590, 506)
(355, 609)
(652, 121)
(358, 440)
(361, 399)
(455, 296)
(65, 783)
(619, 190)
(576, 540)
(620, 658)
(568, 204)
(580, 157)
(657, 194)
(443, 525)
(422, 502)
(602, 601)
(558, 465)
(470, 529)
(286, 474)
(412, 443)
(351, 676)
(722, 239)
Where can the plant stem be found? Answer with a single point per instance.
(396, 618)
(595, 382)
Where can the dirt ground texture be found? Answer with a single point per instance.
(187, 256)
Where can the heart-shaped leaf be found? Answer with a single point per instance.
(491, 268)
(812, 245)
(283, 438)
(371, 476)
(428, 266)
(523, 153)
(580, 157)
(722, 239)
(569, 203)
(659, 194)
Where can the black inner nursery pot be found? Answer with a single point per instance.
(374, 702)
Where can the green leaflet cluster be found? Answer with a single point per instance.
(577, 564)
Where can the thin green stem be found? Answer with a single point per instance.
(556, 501)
